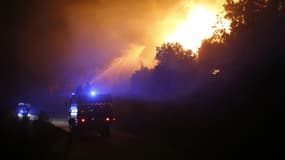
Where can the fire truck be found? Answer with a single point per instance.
(89, 110)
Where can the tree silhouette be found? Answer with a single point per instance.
(249, 60)
(171, 77)
(170, 53)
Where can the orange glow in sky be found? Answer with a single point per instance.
(122, 43)
(197, 27)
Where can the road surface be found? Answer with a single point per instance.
(120, 145)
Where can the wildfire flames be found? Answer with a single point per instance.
(197, 27)
(188, 24)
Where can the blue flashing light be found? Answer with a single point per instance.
(93, 93)
(20, 115)
(73, 94)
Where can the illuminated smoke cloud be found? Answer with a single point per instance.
(103, 42)
(121, 36)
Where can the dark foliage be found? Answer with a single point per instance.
(250, 61)
(243, 102)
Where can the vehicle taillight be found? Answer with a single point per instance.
(107, 119)
(83, 120)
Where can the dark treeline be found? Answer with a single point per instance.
(238, 84)
(248, 64)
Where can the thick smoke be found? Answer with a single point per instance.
(121, 36)
(61, 44)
